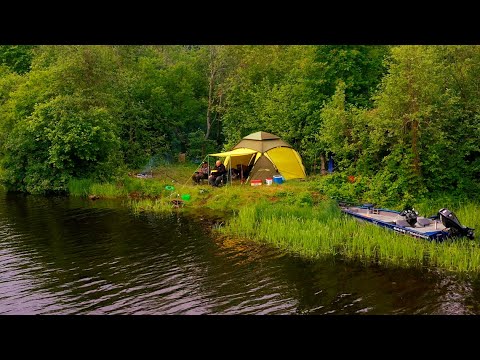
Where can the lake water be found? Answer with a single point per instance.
(75, 256)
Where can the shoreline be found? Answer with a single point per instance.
(297, 216)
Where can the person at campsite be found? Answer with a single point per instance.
(202, 173)
(241, 172)
(235, 173)
(217, 174)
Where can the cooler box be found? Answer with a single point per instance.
(269, 181)
(256, 182)
(278, 179)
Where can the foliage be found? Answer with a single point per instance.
(422, 134)
(404, 120)
(359, 67)
(18, 58)
(62, 138)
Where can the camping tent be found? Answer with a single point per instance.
(263, 155)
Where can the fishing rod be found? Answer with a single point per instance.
(206, 157)
(164, 173)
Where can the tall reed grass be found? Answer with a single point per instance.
(149, 205)
(323, 230)
(86, 187)
(80, 187)
(299, 217)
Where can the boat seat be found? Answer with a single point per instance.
(402, 223)
(424, 221)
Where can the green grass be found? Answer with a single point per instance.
(323, 230)
(2, 175)
(298, 216)
(107, 190)
(80, 187)
(158, 205)
(86, 187)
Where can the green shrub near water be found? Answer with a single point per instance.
(366, 189)
(149, 187)
(107, 190)
(86, 187)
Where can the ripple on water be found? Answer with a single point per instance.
(74, 256)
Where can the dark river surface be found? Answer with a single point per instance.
(75, 256)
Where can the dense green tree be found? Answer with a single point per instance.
(17, 57)
(59, 121)
(403, 119)
(359, 67)
(62, 138)
(422, 134)
(162, 103)
(268, 92)
(283, 89)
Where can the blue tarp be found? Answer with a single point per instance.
(330, 164)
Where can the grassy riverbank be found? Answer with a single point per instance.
(322, 230)
(298, 216)
(156, 194)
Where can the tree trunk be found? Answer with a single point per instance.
(414, 123)
(211, 85)
(131, 134)
(217, 118)
(323, 161)
(416, 155)
(209, 107)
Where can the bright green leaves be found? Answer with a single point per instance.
(17, 58)
(63, 138)
(421, 134)
(404, 119)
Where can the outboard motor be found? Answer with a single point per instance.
(449, 220)
(410, 216)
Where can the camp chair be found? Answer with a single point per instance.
(203, 180)
(225, 179)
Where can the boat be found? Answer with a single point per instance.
(439, 227)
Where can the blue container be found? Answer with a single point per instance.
(278, 179)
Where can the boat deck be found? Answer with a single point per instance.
(394, 218)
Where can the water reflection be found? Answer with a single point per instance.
(74, 256)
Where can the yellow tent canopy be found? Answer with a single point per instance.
(287, 161)
(236, 152)
(273, 156)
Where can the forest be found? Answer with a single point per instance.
(403, 120)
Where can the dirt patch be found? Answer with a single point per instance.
(205, 200)
(134, 195)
